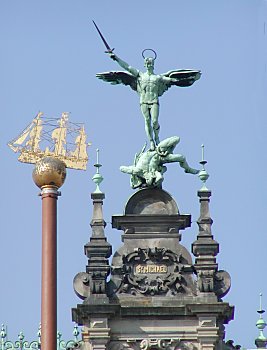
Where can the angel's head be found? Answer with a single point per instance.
(149, 64)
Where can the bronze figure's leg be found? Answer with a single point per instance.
(155, 121)
(147, 115)
(182, 161)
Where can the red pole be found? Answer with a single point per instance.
(49, 269)
(49, 174)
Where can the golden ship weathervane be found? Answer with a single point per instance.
(51, 137)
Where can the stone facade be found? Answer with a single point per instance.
(157, 297)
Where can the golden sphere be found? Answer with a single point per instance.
(49, 171)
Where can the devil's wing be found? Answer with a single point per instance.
(180, 77)
(119, 78)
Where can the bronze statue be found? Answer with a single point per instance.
(150, 87)
(148, 168)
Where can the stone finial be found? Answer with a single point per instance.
(203, 175)
(97, 178)
(261, 340)
(98, 223)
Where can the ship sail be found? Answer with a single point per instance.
(47, 137)
(22, 137)
(35, 136)
(29, 131)
(59, 136)
(81, 149)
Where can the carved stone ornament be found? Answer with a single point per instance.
(154, 271)
(222, 283)
(81, 285)
(159, 344)
(218, 282)
(148, 344)
(187, 346)
(123, 345)
(206, 280)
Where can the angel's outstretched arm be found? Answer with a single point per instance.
(124, 65)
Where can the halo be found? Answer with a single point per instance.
(155, 54)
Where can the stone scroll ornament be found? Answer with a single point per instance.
(152, 344)
(156, 271)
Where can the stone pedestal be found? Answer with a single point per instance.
(155, 297)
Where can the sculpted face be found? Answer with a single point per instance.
(149, 64)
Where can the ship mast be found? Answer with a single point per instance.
(80, 151)
(35, 135)
(59, 136)
(47, 137)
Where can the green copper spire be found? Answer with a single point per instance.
(97, 178)
(3, 332)
(261, 341)
(203, 175)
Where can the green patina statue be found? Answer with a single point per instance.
(150, 87)
(148, 168)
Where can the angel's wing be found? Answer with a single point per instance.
(119, 78)
(180, 77)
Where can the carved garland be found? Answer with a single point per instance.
(152, 344)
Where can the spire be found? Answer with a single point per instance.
(261, 341)
(205, 248)
(98, 250)
(98, 223)
(204, 221)
(97, 178)
(203, 175)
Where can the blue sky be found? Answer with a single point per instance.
(50, 53)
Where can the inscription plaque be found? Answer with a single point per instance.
(144, 269)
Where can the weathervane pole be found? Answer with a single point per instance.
(49, 174)
(49, 268)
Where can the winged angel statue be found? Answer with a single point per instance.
(150, 87)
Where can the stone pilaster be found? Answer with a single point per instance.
(207, 332)
(96, 334)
